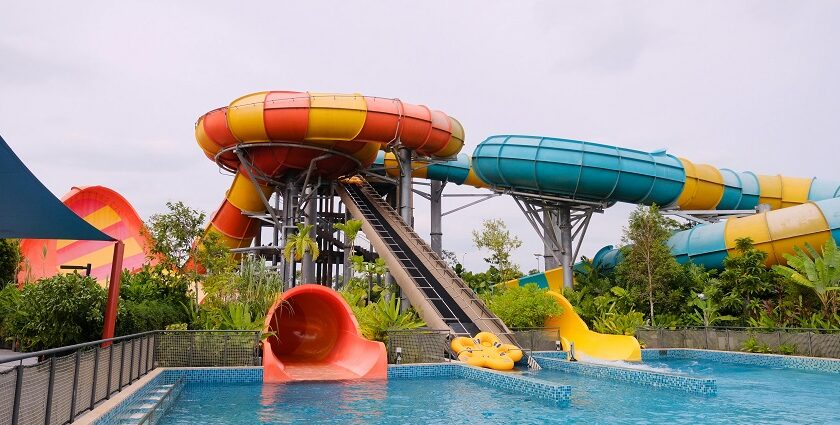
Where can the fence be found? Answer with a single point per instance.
(68, 381)
(799, 341)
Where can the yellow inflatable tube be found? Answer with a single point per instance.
(486, 350)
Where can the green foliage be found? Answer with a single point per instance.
(753, 345)
(172, 235)
(377, 318)
(141, 316)
(744, 280)
(151, 299)
(371, 271)
(484, 282)
(10, 258)
(495, 237)
(648, 262)
(523, 306)
(706, 311)
(300, 243)
(819, 272)
(619, 323)
(788, 349)
(240, 297)
(350, 228)
(9, 300)
(58, 311)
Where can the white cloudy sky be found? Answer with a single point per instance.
(107, 92)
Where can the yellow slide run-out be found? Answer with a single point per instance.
(574, 329)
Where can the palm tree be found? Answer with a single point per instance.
(300, 243)
(821, 273)
(351, 229)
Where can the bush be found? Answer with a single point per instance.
(58, 311)
(523, 306)
(753, 345)
(9, 261)
(135, 317)
(619, 324)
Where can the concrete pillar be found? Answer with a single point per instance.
(436, 232)
(307, 269)
(566, 245)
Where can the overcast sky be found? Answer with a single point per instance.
(108, 92)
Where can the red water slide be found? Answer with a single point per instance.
(315, 337)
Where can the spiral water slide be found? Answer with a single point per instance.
(273, 136)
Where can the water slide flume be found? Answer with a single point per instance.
(315, 337)
(281, 134)
(573, 329)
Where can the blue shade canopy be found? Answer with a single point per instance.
(29, 210)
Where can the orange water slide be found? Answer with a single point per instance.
(315, 337)
(279, 133)
(106, 210)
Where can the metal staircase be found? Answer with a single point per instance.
(453, 301)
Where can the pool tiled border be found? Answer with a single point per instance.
(508, 381)
(818, 364)
(690, 384)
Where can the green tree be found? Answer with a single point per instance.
(62, 310)
(172, 235)
(10, 258)
(744, 280)
(370, 270)
(495, 237)
(648, 262)
(300, 243)
(820, 273)
(523, 306)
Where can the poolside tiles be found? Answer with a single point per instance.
(767, 360)
(703, 386)
(211, 375)
(509, 381)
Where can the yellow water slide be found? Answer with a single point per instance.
(573, 329)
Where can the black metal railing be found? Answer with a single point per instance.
(56, 386)
(799, 341)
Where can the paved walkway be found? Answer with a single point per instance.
(5, 354)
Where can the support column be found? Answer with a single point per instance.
(565, 215)
(550, 252)
(406, 195)
(290, 215)
(113, 292)
(436, 232)
(307, 269)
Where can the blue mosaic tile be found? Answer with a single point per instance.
(210, 375)
(551, 354)
(695, 385)
(770, 360)
(508, 381)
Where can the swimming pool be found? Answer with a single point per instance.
(746, 393)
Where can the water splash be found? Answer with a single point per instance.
(583, 358)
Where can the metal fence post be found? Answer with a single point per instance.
(154, 349)
(192, 348)
(810, 345)
(122, 365)
(131, 364)
(50, 386)
(18, 391)
(110, 370)
(95, 376)
(77, 360)
(727, 341)
(256, 348)
(225, 351)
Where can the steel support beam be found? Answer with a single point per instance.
(565, 216)
(310, 218)
(436, 232)
(405, 187)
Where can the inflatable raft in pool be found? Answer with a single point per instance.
(485, 350)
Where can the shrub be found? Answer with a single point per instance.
(134, 317)
(786, 349)
(523, 306)
(619, 324)
(58, 311)
(753, 345)
(9, 261)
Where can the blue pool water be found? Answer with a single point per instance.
(746, 394)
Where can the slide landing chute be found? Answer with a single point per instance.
(315, 337)
(571, 327)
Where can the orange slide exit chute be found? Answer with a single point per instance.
(315, 337)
